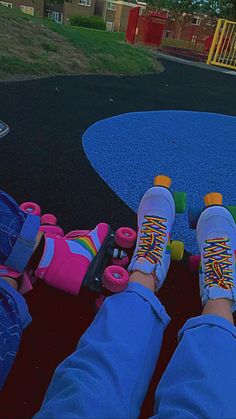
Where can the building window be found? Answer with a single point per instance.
(85, 2)
(56, 16)
(6, 4)
(109, 26)
(28, 10)
(111, 6)
(196, 21)
(209, 22)
(194, 38)
(168, 34)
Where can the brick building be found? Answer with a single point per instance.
(190, 27)
(61, 12)
(116, 13)
(54, 11)
(78, 7)
(31, 7)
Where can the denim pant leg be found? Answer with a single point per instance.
(14, 317)
(200, 380)
(18, 231)
(109, 373)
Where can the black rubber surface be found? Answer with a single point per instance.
(42, 160)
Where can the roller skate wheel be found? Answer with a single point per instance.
(194, 263)
(177, 250)
(213, 198)
(115, 278)
(52, 231)
(125, 237)
(232, 210)
(180, 199)
(49, 219)
(31, 208)
(162, 180)
(121, 262)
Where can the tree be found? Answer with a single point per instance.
(176, 6)
(221, 8)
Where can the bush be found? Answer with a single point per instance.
(95, 22)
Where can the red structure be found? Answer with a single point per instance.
(146, 29)
(132, 24)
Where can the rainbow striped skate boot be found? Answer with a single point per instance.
(70, 261)
(95, 259)
(156, 213)
(216, 237)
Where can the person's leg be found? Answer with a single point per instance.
(220, 307)
(199, 381)
(19, 234)
(109, 373)
(19, 242)
(14, 317)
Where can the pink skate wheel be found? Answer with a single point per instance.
(115, 278)
(52, 231)
(194, 263)
(31, 208)
(125, 237)
(121, 262)
(99, 301)
(49, 219)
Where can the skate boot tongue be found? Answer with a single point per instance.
(150, 245)
(152, 240)
(218, 265)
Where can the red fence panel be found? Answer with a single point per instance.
(145, 29)
(141, 29)
(155, 30)
(132, 24)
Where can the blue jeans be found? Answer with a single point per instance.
(108, 375)
(14, 317)
(18, 232)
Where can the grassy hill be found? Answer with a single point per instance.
(31, 46)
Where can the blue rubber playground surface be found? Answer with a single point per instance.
(196, 149)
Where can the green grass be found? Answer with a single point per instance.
(36, 46)
(108, 51)
(49, 47)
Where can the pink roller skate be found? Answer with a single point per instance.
(81, 258)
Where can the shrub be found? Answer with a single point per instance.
(94, 22)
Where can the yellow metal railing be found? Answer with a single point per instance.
(223, 48)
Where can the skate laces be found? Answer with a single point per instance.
(152, 239)
(218, 268)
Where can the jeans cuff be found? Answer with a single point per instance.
(20, 302)
(24, 246)
(149, 296)
(209, 319)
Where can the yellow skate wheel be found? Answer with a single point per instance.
(162, 180)
(177, 250)
(213, 198)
